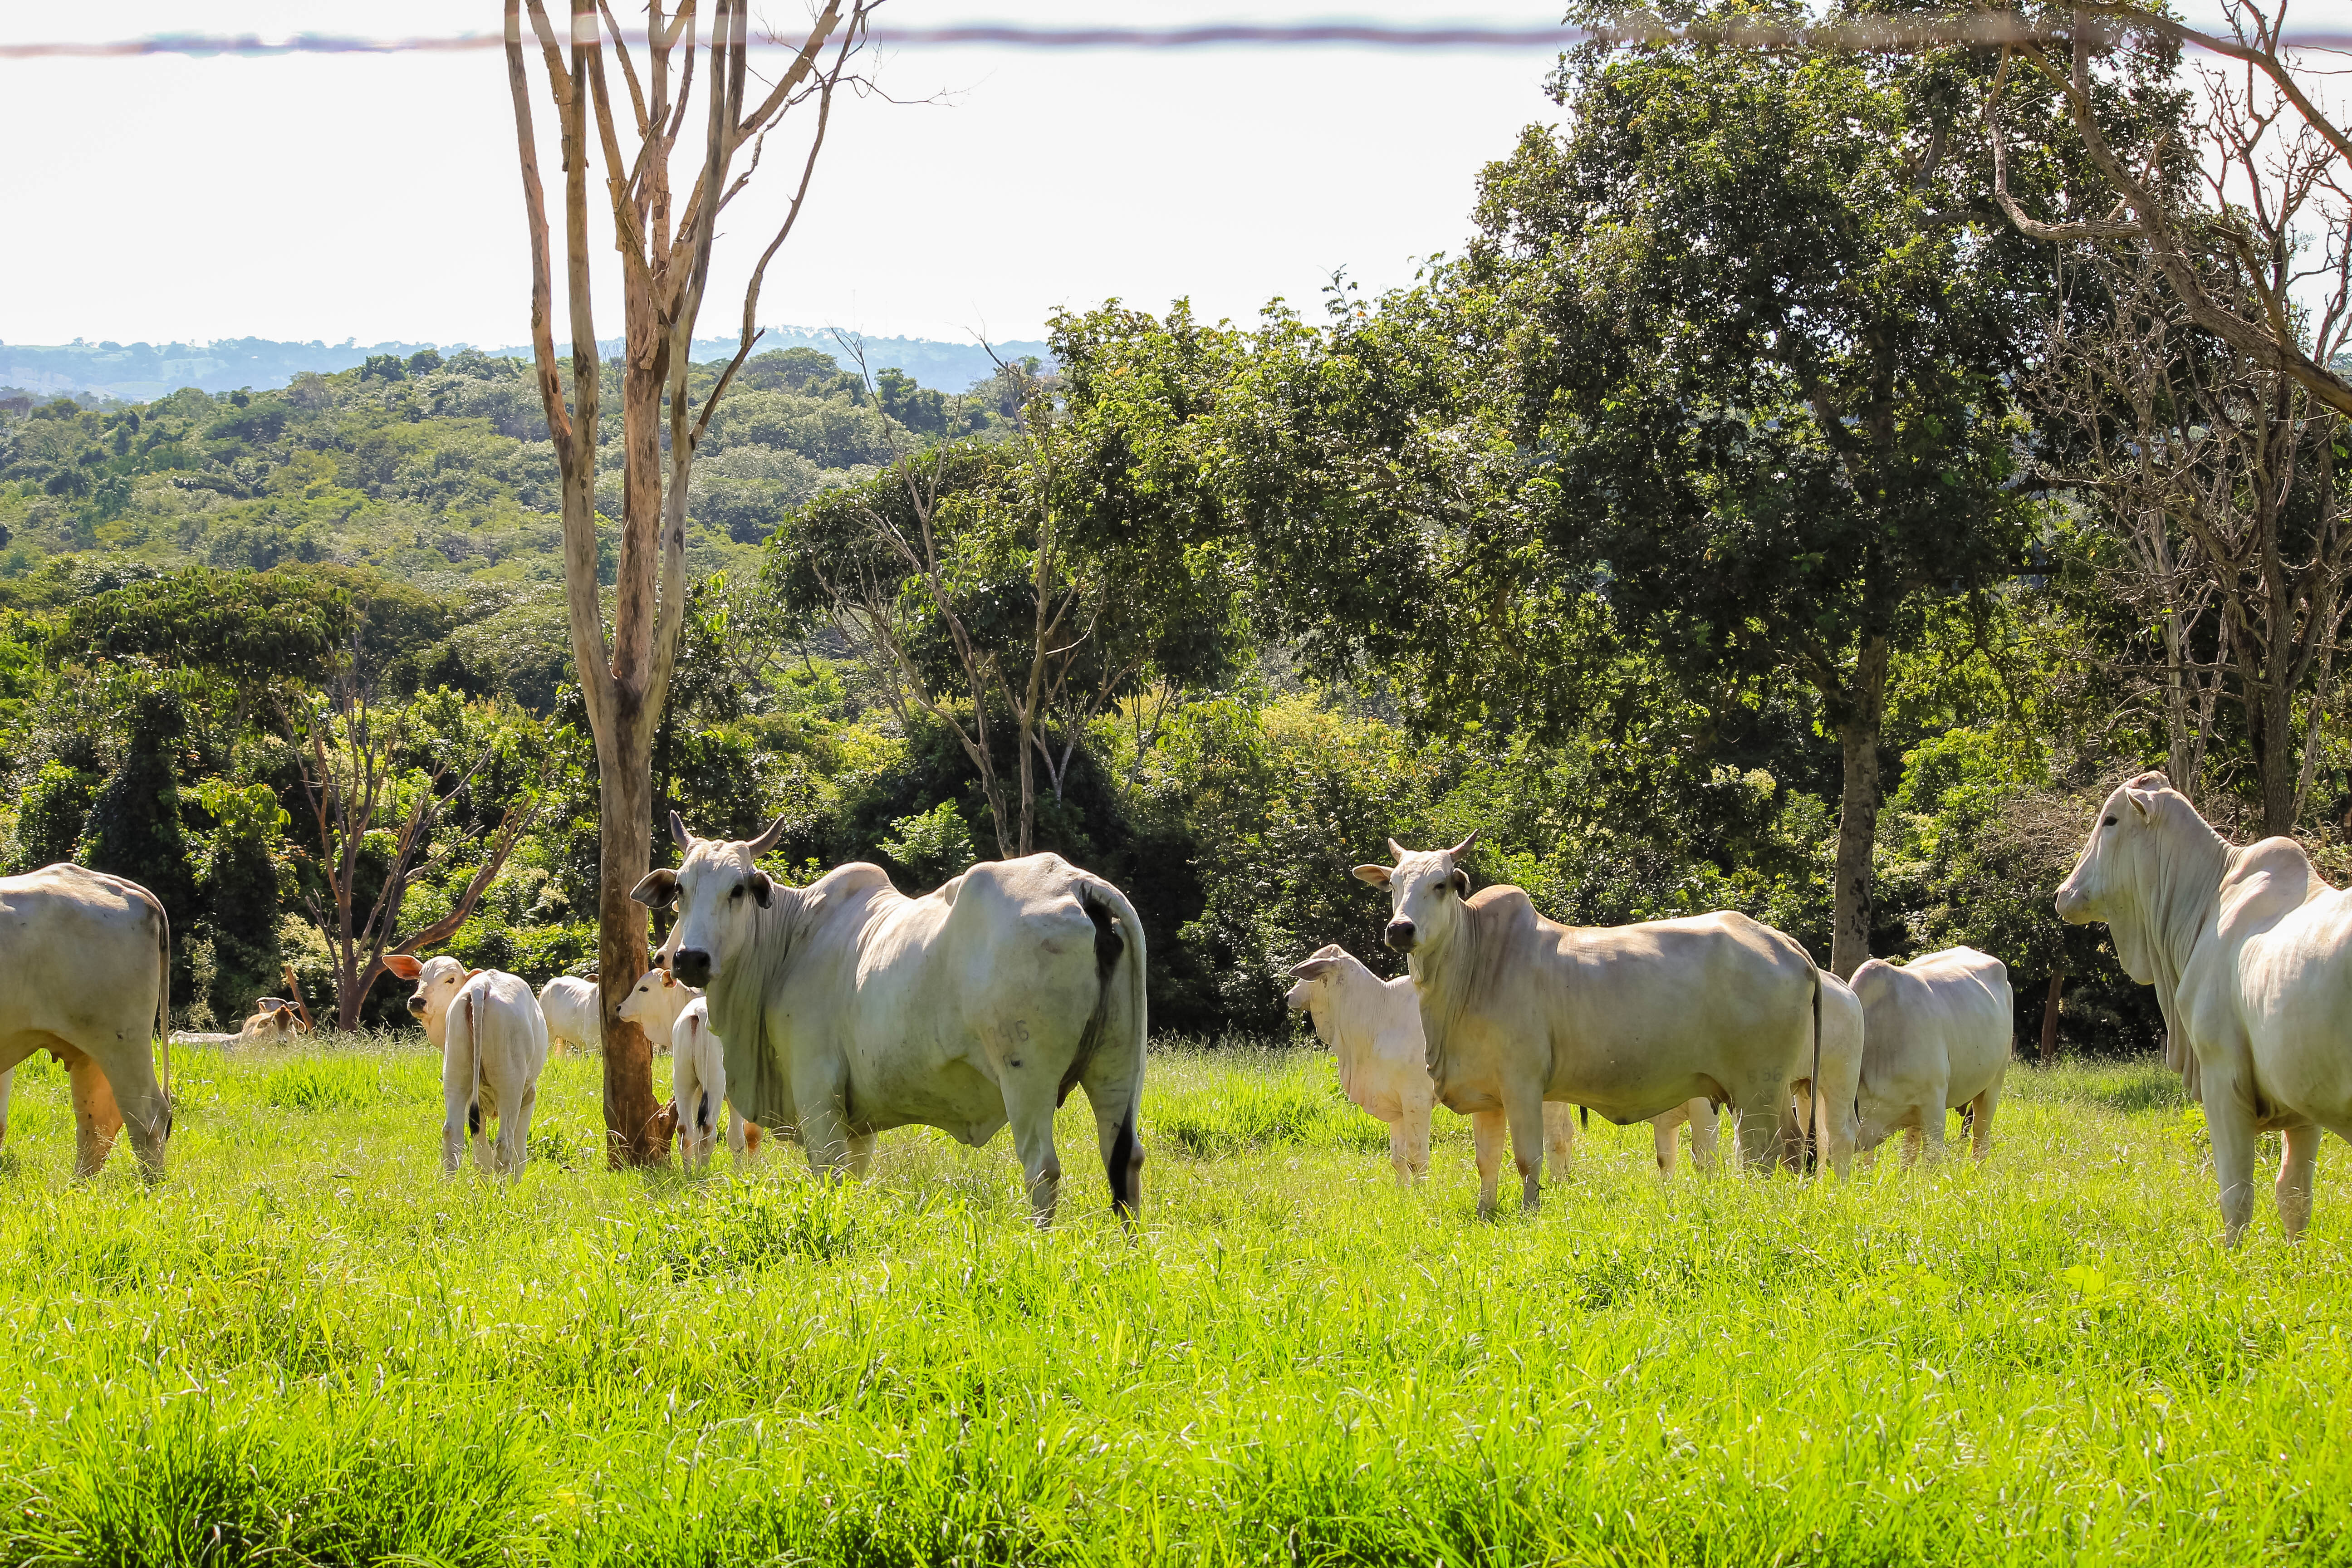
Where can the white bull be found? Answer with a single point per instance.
(1631, 1021)
(1373, 1028)
(2250, 956)
(89, 963)
(1936, 1036)
(493, 1045)
(847, 1008)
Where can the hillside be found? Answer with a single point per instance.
(437, 470)
(143, 372)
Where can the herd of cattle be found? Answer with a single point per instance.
(833, 1012)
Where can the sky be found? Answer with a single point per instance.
(376, 198)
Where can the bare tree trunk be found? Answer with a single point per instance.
(625, 853)
(2049, 1017)
(1858, 808)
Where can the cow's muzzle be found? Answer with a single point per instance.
(2072, 907)
(690, 966)
(1400, 935)
(416, 1006)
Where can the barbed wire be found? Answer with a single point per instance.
(1857, 35)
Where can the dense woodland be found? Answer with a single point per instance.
(1750, 516)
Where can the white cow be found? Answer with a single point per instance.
(493, 1045)
(1373, 1028)
(575, 1010)
(1631, 1021)
(2251, 955)
(847, 1008)
(1936, 1037)
(112, 939)
(654, 1004)
(698, 1090)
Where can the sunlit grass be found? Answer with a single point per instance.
(306, 1345)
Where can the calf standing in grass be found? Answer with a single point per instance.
(699, 1084)
(493, 1044)
(1373, 1028)
(1936, 1037)
(654, 1004)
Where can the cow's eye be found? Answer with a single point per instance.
(738, 892)
(2109, 823)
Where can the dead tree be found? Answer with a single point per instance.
(665, 235)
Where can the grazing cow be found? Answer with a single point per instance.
(1936, 1037)
(1631, 1021)
(1373, 1028)
(2250, 956)
(698, 1090)
(1834, 1131)
(493, 1043)
(89, 958)
(847, 1008)
(575, 1010)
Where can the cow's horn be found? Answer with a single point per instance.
(767, 841)
(678, 833)
(1463, 849)
(1398, 850)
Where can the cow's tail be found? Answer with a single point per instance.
(1819, 1104)
(1121, 1010)
(470, 1060)
(164, 1006)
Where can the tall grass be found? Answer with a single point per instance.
(305, 1346)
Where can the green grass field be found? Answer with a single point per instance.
(306, 1347)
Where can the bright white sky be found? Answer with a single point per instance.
(376, 198)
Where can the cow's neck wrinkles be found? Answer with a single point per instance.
(2186, 868)
(1441, 1007)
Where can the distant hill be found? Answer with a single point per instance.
(142, 371)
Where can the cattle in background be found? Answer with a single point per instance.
(1936, 1037)
(2250, 956)
(1373, 1028)
(654, 1004)
(1629, 1020)
(493, 1045)
(847, 1008)
(574, 1011)
(1830, 1121)
(89, 958)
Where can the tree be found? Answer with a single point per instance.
(1766, 348)
(380, 825)
(665, 237)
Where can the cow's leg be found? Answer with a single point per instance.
(1398, 1160)
(1706, 1134)
(1486, 1139)
(1416, 1141)
(1912, 1138)
(1935, 1118)
(456, 1107)
(1523, 1108)
(7, 1082)
(1758, 1131)
(514, 1132)
(1661, 1133)
(477, 1122)
(1029, 1107)
(857, 1153)
(1980, 1111)
(2296, 1163)
(1559, 1136)
(2230, 1123)
(98, 1121)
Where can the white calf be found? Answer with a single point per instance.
(698, 1082)
(493, 1044)
(654, 1004)
(575, 1010)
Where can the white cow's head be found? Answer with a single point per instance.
(656, 994)
(2121, 867)
(437, 980)
(716, 889)
(1313, 974)
(1426, 888)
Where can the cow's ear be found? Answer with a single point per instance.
(1378, 876)
(1461, 881)
(659, 890)
(403, 965)
(667, 981)
(762, 887)
(2142, 800)
(1314, 968)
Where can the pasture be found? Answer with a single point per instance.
(306, 1346)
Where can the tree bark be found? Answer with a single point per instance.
(2049, 1017)
(625, 853)
(1858, 807)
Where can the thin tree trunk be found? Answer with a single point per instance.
(624, 850)
(2049, 1017)
(1858, 809)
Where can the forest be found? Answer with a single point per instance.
(1782, 554)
